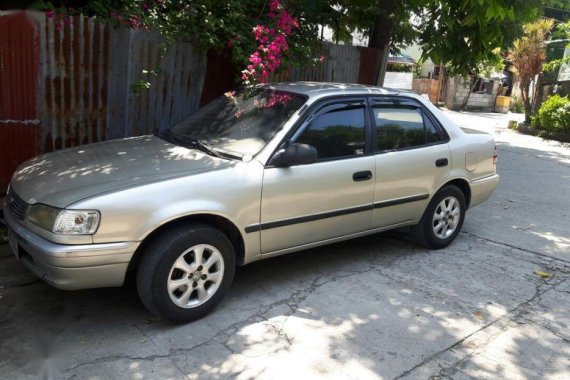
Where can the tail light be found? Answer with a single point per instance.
(495, 155)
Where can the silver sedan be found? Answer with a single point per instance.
(254, 174)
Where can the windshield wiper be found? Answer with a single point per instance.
(188, 143)
(202, 146)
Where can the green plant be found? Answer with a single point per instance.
(554, 114)
(400, 68)
(517, 107)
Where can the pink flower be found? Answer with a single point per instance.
(274, 5)
(272, 43)
(67, 21)
(50, 13)
(255, 59)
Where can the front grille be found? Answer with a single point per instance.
(16, 204)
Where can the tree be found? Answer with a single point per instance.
(463, 34)
(460, 33)
(386, 23)
(527, 56)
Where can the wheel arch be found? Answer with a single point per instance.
(221, 223)
(463, 185)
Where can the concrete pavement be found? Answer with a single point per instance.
(495, 304)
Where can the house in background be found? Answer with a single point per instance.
(427, 68)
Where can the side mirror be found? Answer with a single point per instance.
(295, 154)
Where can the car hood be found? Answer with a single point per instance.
(67, 176)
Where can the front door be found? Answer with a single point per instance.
(329, 198)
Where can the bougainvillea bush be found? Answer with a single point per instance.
(272, 39)
(262, 35)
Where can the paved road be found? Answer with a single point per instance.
(374, 308)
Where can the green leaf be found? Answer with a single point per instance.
(469, 19)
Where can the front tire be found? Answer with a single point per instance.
(442, 219)
(186, 272)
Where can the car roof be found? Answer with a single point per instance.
(318, 89)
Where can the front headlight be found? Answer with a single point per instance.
(65, 222)
(43, 215)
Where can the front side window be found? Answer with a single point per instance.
(403, 127)
(239, 123)
(339, 132)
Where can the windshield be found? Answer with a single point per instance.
(239, 123)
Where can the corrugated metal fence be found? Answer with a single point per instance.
(61, 88)
(343, 64)
(19, 88)
(88, 69)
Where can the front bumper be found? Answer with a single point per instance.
(70, 267)
(481, 189)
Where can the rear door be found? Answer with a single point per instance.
(330, 198)
(412, 159)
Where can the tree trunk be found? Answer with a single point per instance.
(380, 36)
(440, 84)
(471, 89)
(537, 96)
(381, 71)
(525, 89)
(337, 29)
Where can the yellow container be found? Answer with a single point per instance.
(503, 101)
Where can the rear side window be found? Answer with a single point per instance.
(403, 127)
(337, 133)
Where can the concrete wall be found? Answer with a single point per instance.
(457, 89)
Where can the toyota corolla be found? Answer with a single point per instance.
(254, 174)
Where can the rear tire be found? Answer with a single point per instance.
(186, 272)
(442, 219)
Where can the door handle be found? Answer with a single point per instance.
(441, 162)
(362, 176)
